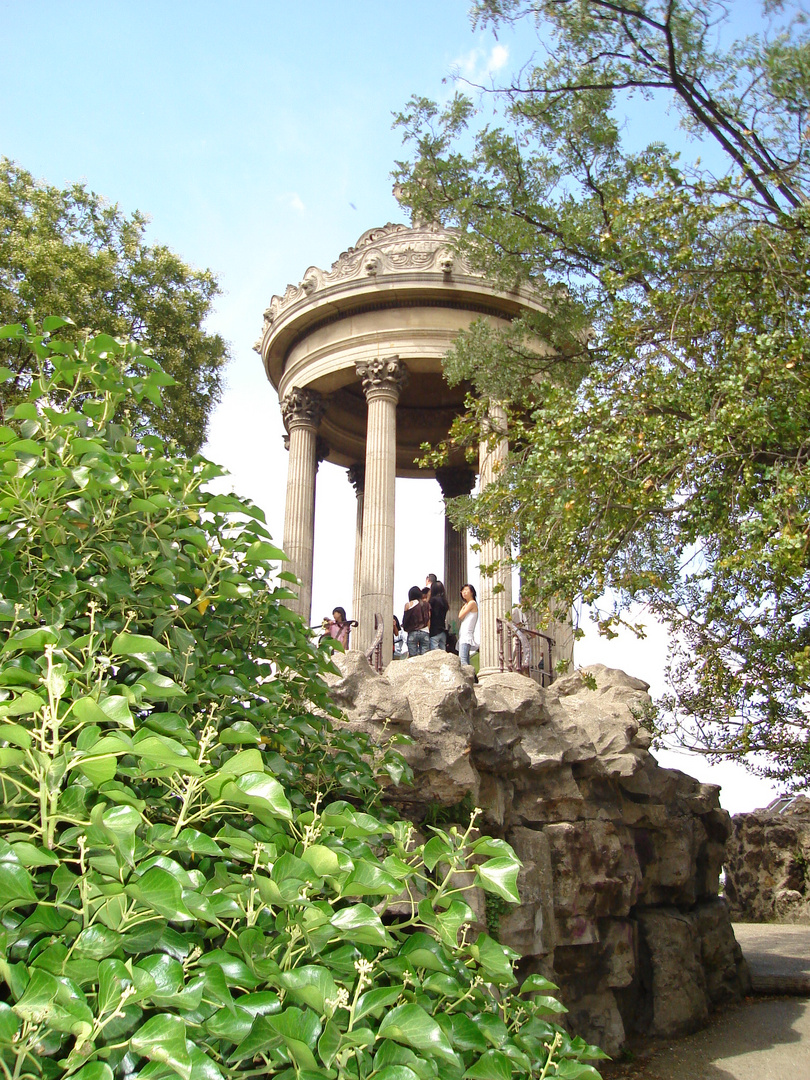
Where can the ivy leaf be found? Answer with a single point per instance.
(311, 985)
(493, 1065)
(361, 924)
(163, 1039)
(411, 1025)
(499, 876)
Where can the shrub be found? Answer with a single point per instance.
(195, 875)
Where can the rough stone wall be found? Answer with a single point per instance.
(768, 866)
(621, 858)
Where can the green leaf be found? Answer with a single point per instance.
(412, 1026)
(361, 924)
(436, 849)
(466, 1034)
(372, 1001)
(30, 855)
(534, 984)
(493, 1065)
(136, 645)
(423, 951)
(495, 959)
(260, 551)
(323, 860)
(28, 702)
(9, 1024)
(159, 687)
(16, 887)
(164, 753)
(499, 876)
(96, 943)
(161, 892)
(368, 879)
(163, 1039)
(259, 791)
(311, 985)
(576, 1070)
(16, 734)
(33, 640)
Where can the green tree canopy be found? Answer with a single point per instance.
(660, 438)
(73, 253)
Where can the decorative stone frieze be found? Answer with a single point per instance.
(302, 407)
(387, 251)
(382, 376)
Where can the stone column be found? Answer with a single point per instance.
(382, 380)
(302, 411)
(492, 604)
(357, 478)
(454, 482)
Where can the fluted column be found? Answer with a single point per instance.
(357, 478)
(302, 411)
(492, 604)
(454, 482)
(382, 381)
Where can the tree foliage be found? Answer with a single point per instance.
(73, 253)
(196, 876)
(659, 436)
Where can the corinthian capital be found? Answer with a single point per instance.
(455, 482)
(389, 375)
(302, 406)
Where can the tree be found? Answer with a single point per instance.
(660, 433)
(197, 876)
(73, 253)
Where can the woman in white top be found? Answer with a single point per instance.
(467, 621)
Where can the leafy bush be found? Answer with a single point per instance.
(194, 878)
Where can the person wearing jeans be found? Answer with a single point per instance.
(438, 616)
(415, 620)
(467, 621)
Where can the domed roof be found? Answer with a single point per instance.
(399, 291)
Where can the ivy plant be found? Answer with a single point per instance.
(197, 875)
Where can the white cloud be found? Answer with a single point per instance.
(497, 58)
(478, 65)
(293, 200)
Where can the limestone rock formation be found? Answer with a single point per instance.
(768, 865)
(621, 858)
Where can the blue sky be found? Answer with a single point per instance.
(258, 137)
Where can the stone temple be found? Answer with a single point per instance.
(621, 858)
(355, 354)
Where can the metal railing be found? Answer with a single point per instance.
(374, 655)
(525, 651)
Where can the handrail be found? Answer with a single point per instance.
(511, 652)
(374, 655)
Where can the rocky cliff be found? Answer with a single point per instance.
(768, 865)
(621, 858)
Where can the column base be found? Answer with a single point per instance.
(485, 672)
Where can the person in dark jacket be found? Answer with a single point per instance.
(415, 621)
(438, 616)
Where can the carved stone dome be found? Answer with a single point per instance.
(399, 291)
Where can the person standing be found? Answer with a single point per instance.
(467, 622)
(400, 641)
(415, 621)
(438, 616)
(339, 627)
